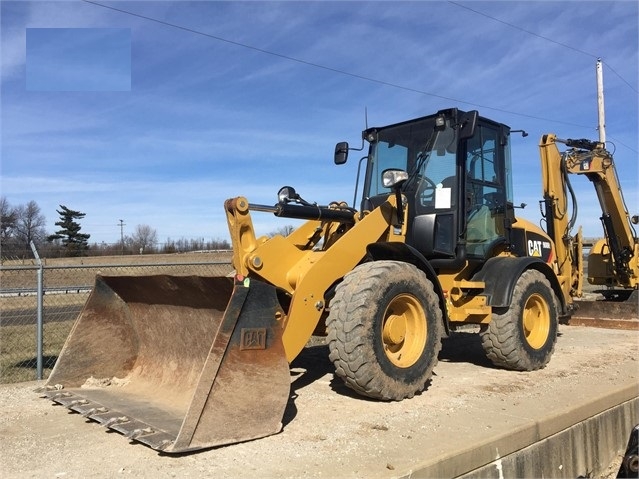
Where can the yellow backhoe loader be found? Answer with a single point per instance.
(184, 363)
(613, 261)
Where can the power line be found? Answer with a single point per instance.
(622, 78)
(352, 75)
(522, 29)
(331, 69)
(529, 32)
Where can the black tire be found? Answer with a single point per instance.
(384, 330)
(522, 337)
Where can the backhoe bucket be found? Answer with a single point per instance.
(177, 363)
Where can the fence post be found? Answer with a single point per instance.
(39, 323)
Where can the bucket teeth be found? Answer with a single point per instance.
(115, 420)
(89, 412)
(58, 396)
(164, 445)
(48, 388)
(139, 432)
(94, 410)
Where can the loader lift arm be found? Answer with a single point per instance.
(305, 264)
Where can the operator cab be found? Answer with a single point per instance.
(459, 182)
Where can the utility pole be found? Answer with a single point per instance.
(122, 225)
(600, 103)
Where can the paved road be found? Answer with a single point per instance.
(22, 317)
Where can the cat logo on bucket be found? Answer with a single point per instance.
(536, 247)
(253, 338)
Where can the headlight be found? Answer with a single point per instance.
(286, 194)
(393, 177)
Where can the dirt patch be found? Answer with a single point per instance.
(104, 382)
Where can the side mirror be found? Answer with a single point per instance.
(468, 123)
(341, 153)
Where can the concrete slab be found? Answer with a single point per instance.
(569, 452)
(471, 415)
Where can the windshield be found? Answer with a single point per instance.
(416, 147)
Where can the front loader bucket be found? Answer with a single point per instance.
(177, 363)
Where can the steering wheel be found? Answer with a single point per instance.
(492, 200)
(426, 190)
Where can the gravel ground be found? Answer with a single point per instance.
(329, 432)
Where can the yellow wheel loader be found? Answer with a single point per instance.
(183, 363)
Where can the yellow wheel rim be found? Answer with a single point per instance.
(404, 330)
(536, 321)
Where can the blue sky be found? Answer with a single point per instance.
(240, 98)
(78, 59)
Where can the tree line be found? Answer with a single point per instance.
(23, 224)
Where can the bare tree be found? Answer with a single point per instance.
(283, 230)
(8, 218)
(30, 224)
(145, 238)
(9, 246)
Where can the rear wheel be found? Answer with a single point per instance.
(384, 330)
(522, 337)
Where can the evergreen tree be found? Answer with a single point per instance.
(75, 243)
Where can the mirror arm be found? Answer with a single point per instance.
(359, 169)
(400, 204)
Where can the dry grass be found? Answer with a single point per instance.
(205, 257)
(30, 303)
(64, 272)
(19, 364)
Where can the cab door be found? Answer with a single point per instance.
(485, 190)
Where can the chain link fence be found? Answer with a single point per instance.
(36, 315)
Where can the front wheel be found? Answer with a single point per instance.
(384, 330)
(522, 336)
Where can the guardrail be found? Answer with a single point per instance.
(11, 292)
